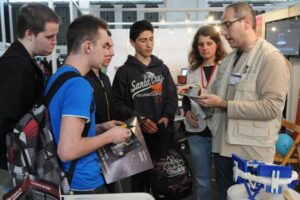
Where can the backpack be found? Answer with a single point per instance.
(171, 176)
(31, 148)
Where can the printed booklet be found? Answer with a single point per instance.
(126, 159)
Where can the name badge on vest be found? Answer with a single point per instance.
(234, 78)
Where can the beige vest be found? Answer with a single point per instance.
(239, 131)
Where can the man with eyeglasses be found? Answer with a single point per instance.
(250, 87)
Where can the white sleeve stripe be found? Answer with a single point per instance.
(79, 116)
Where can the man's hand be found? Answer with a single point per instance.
(191, 119)
(149, 126)
(211, 100)
(164, 120)
(119, 134)
(108, 125)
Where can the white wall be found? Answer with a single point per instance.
(170, 45)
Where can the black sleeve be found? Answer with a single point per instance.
(186, 104)
(121, 94)
(17, 93)
(171, 98)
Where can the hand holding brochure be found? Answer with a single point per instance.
(126, 159)
(192, 91)
(192, 96)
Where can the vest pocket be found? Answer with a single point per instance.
(261, 128)
(246, 87)
(257, 129)
(246, 91)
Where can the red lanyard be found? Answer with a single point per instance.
(210, 76)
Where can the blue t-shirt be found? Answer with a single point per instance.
(74, 98)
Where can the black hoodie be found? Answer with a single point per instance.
(142, 90)
(102, 95)
(21, 86)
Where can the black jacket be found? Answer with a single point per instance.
(102, 95)
(147, 91)
(21, 85)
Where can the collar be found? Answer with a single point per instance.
(17, 48)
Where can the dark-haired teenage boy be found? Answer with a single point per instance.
(143, 87)
(102, 91)
(102, 86)
(70, 107)
(21, 80)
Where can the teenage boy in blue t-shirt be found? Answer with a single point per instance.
(70, 107)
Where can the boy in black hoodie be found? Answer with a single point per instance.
(21, 80)
(143, 87)
(102, 86)
(103, 92)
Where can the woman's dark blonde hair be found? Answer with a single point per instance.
(194, 57)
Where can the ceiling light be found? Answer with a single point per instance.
(210, 18)
(218, 28)
(189, 30)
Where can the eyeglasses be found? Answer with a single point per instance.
(227, 24)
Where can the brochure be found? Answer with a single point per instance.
(126, 159)
(191, 96)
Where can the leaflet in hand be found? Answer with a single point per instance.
(126, 159)
(192, 96)
(192, 91)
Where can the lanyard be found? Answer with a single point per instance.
(210, 76)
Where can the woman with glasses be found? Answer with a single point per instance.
(207, 51)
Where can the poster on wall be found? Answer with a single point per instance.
(126, 159)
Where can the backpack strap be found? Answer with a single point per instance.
(57, 84)
(47, 99)
(85, 131)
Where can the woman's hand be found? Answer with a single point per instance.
(211, 100)
(191, 119)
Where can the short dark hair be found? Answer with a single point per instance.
(194, 57)
(34, 16)
(83, 28)
(243, 9)
(138, 27)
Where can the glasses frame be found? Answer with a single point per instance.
(228, 24)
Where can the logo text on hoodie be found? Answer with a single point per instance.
(150, 81)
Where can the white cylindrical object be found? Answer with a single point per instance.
(238, 192)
